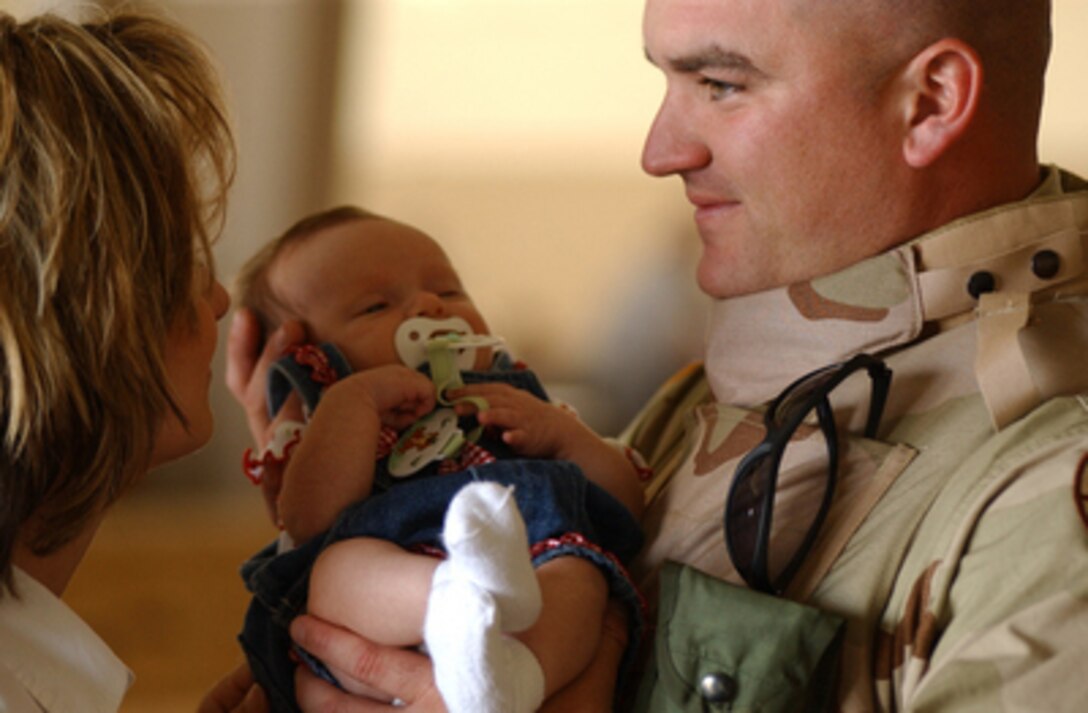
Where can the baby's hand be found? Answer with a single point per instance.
(399, 395)
(530, 426)
(538, 429)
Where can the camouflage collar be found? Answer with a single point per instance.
(994, 268)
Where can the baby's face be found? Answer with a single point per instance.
(355, 283)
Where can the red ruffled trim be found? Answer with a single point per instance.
(318, 362)
(577, 539)
(253, 467)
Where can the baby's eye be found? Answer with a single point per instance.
(451, 294)
(374, 308)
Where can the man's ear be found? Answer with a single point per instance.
(942, 89)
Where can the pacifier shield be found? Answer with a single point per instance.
(433, 437)
(413, 334)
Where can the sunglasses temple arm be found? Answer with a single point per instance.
(882, 377)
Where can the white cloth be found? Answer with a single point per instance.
(51, 660)
(484, 589)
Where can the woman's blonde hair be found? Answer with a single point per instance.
(115, 159)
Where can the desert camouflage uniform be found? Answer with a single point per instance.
(955, 547)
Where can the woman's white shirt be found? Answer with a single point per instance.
(50, 660)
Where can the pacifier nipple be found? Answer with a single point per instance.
(413, 334)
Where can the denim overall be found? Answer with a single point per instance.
(565, 514)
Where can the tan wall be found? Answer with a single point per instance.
(1065, 113)
(512, 131)
(509, 129)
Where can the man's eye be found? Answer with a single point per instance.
(718, 89)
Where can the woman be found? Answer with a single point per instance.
(115, 158)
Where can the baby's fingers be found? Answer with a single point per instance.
(516, 438)
(501, 417)
(408, 412)
(497, 393)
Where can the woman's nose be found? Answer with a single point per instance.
(220, 299)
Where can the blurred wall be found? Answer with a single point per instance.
(1064, 136)
(281, 61)
(511, 131)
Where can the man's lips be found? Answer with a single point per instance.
(709, 201)
(710, 207)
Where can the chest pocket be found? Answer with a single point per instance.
(721, 647)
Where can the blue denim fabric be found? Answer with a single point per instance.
(554, 498)
(287, 375)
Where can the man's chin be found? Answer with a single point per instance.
(722, 282)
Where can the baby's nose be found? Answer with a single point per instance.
(428, 304)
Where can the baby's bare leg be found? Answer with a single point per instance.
(374, 588)
(382, 592)
(565, 637)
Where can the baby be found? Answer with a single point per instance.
(491, 529)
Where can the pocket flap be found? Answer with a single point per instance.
(762, 653)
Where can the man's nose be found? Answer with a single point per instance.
(672, 144)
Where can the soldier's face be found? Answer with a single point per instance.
(788, 157)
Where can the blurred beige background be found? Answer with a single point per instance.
(511, 131)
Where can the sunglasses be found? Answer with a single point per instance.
(749, 508)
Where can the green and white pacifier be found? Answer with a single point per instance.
(413, 334)
(450, 347)
(436, 436)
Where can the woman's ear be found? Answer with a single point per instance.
(942, 89)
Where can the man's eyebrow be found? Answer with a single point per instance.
(713, 57)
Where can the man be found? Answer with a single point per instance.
(865, 179)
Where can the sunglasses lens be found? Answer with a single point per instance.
(745, 507)
(780, 496)
(802, 480)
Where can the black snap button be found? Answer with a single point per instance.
(717, 688)
(980, 283)
(1045, 264)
